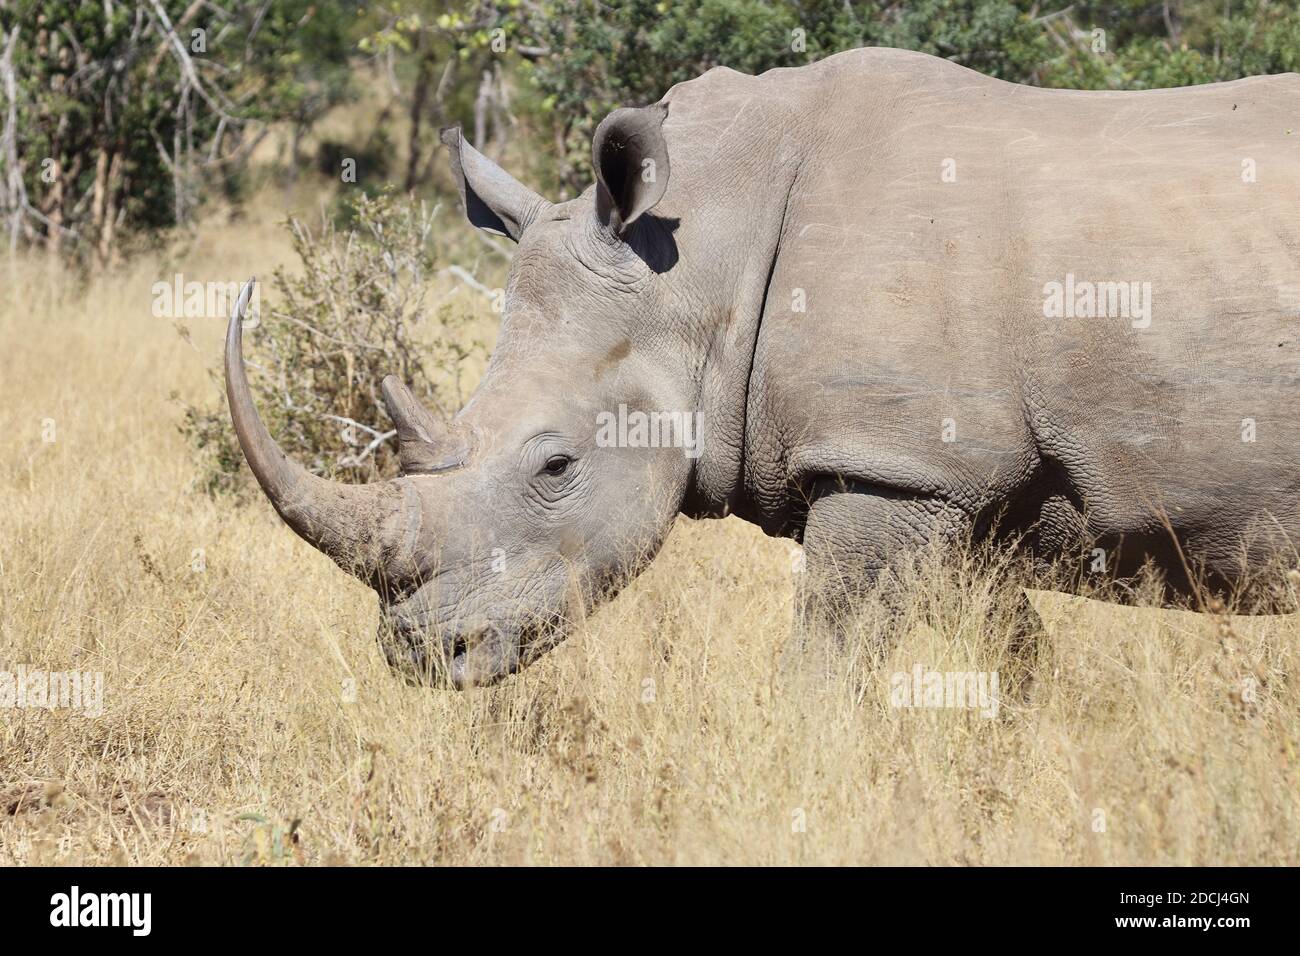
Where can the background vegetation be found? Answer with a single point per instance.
(121, 116)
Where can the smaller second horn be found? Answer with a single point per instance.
(425, 443)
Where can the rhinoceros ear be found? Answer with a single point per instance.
(493, 199)
(630, 155)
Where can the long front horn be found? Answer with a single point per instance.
(369, 530)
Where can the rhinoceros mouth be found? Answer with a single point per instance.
(485, 656)
(451, 658)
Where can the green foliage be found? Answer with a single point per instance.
(115, 136)
(128, 113)
(353, 314)
(601, 56)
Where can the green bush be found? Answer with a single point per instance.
(118, 119)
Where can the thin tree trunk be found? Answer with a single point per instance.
(482, 103)
(108, 172)
(100, 190)
(53, 209)
(423, 76)
(1173, 23)
(11, 186)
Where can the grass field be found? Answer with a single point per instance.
(248, 714)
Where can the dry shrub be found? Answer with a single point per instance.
(356, 311)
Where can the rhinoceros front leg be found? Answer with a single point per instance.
(854, 535)
(857, 534)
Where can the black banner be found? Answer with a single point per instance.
(336, 906)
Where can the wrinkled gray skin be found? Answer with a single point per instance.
(923, 319)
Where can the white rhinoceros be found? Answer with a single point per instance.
(867, 303)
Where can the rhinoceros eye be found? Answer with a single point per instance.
(557, 465)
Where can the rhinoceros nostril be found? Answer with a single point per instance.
(459, 653)
(464, 640)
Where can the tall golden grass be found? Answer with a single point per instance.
(249, 715)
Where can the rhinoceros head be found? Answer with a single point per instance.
(517, 516)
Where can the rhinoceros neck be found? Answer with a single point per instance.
(730, 183)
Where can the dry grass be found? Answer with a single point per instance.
(662, 733)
